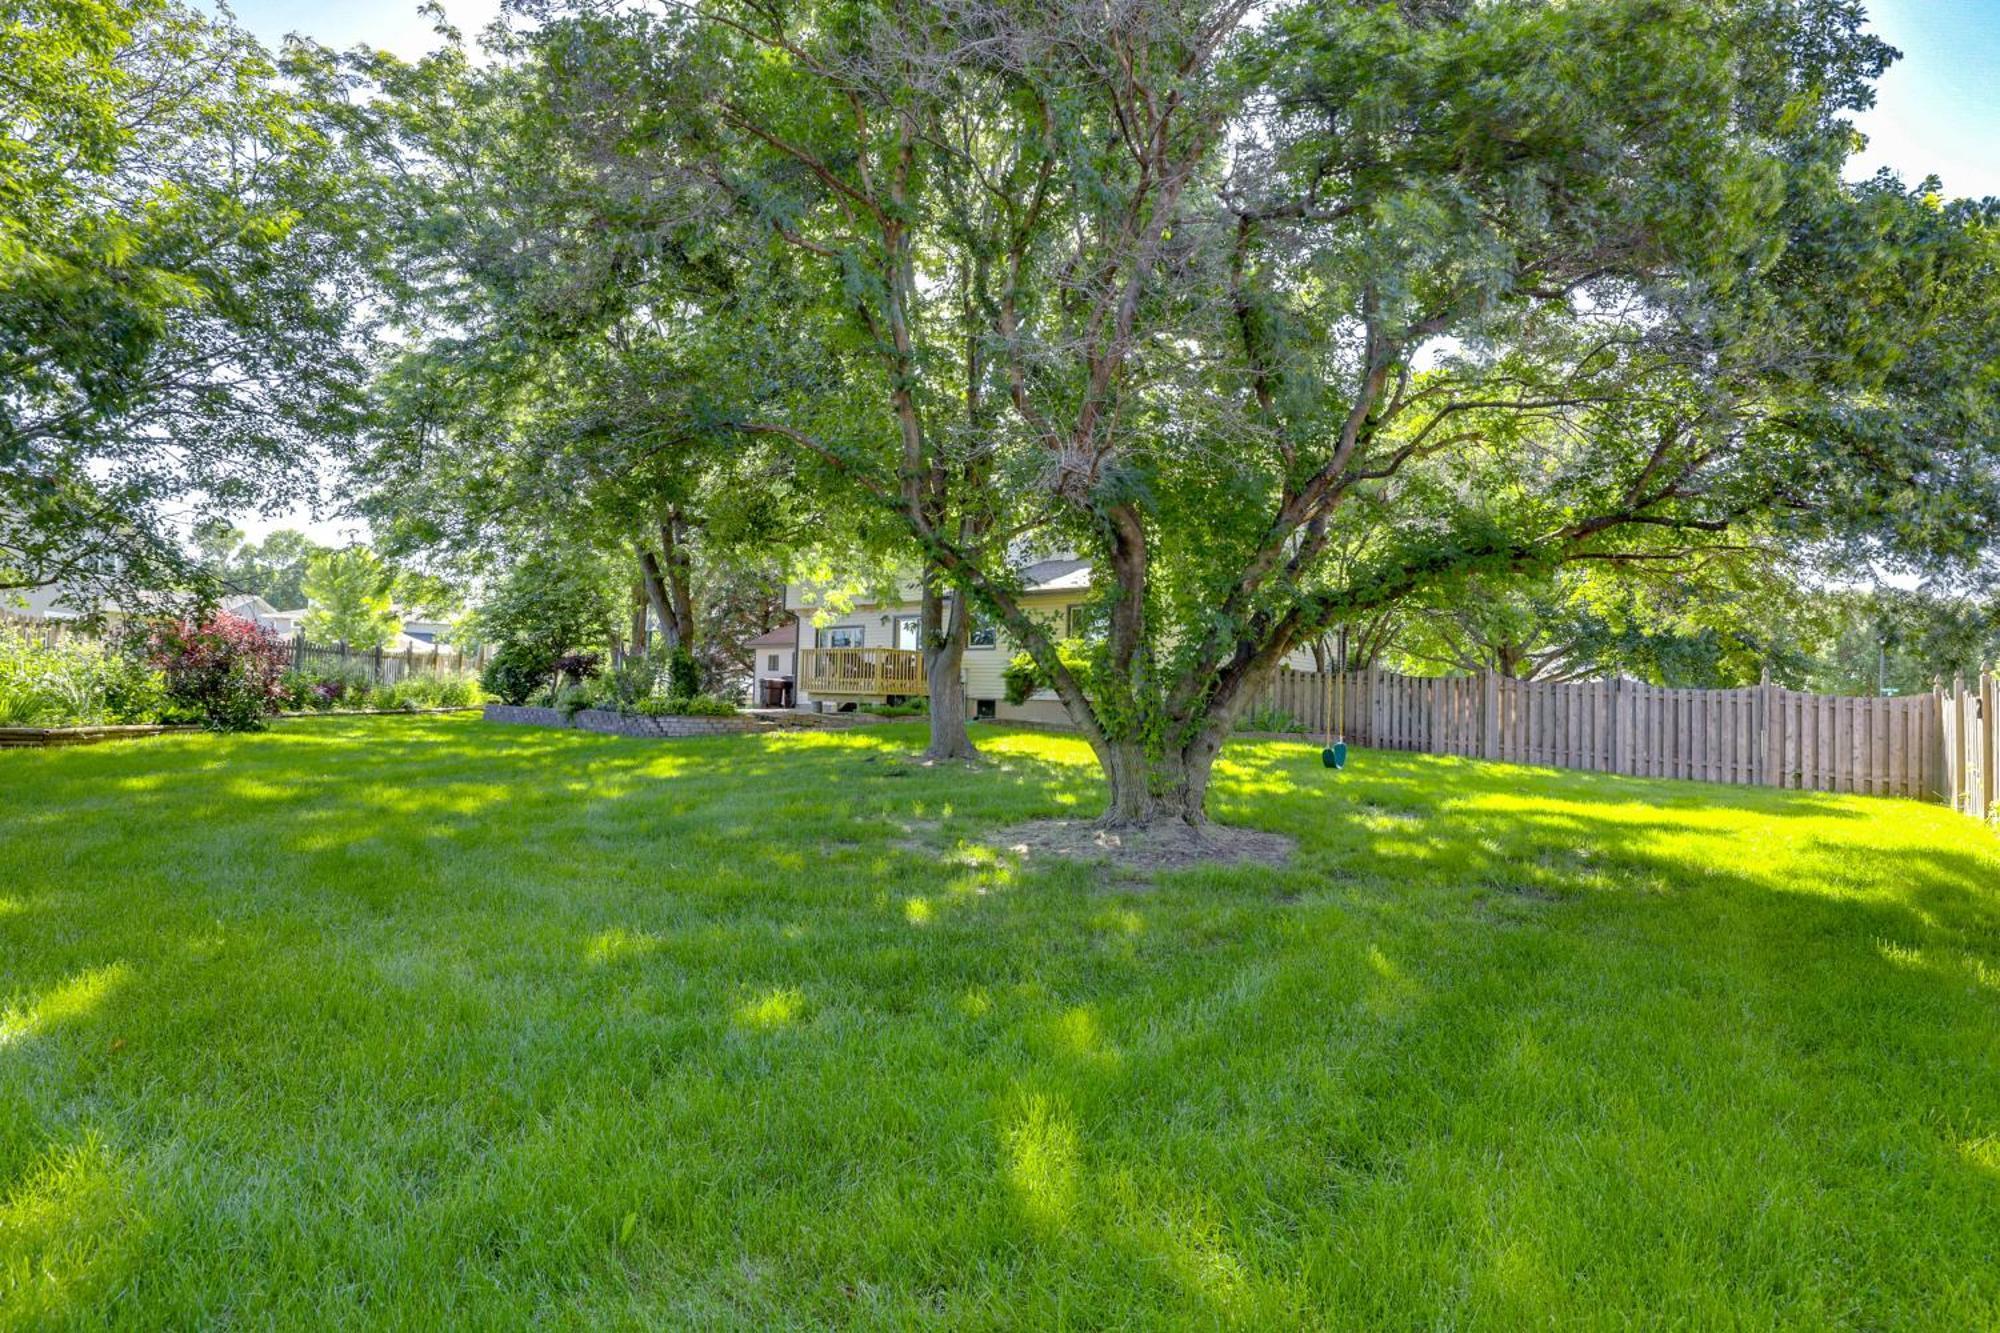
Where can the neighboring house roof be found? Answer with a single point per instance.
(62, 601)
(1056, 576)
(1062, 574)
(248, 604)
(785, 636)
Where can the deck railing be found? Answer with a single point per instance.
(862, 671)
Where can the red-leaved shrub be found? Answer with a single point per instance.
(224, 668)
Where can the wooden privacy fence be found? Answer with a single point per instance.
(1940, 746)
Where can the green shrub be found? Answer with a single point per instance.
(425, 689)
(1268, 719)
(517, 673)
(1022, 677)
(630, 681)
(324, 691)
(683, 675)
(699, 705)
(914, 708)
(708, 705)
(403, 695)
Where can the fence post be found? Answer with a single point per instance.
(1621, 726)
(1771, 729)
(378, 664)
(1939, 743)
(1489, 714)
(1990, 725)
(1983, 732)
(1954, 745)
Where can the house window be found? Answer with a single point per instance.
(1076, 620)
(841, 636)
(773, 666)
(983, 708)
(984, 636)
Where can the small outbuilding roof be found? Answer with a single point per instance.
(785, 636)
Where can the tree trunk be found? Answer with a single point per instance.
(639, 629)
(656, 594)
(943, 638)
(666, 577)
(1169, 789)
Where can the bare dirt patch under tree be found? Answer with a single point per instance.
(1154, 847)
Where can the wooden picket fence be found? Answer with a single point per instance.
(1942, 746)
(382, 667)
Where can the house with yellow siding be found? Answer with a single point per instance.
(869, 652)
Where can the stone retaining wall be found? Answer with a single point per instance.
(26, 738)
(624, 724)
(23, 738)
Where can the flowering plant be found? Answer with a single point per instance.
(224, 668)
(579, 666)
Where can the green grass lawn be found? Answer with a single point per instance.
(404, 1021)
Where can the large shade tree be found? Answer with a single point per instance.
(895, 194)
(559, 382)
(177, 290)
(1282, 323)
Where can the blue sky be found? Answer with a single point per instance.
(1937, 110)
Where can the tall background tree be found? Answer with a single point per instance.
(177, 290)
(274, 568)
(349, 595)
(557, 389)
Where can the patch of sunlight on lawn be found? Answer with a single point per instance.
(918, 911)
(1983, 1153)
(1077, 1033)
(70, 1000)
(619, 944)
(772, 1010)
(1204, 1264)
(1390, 990)
(1121, 920)
(1042, 1150)
(64, 1226)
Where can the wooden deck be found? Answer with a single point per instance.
(862, 672)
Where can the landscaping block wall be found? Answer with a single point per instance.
(623, 724)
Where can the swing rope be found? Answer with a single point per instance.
(1326, 709)
(1333, 699)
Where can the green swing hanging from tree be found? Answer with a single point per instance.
(1335, 754)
